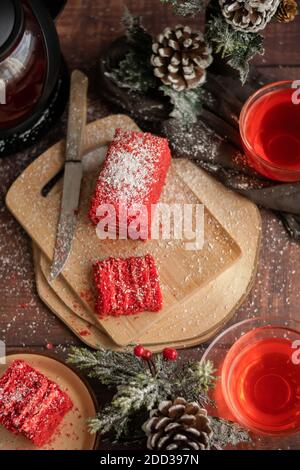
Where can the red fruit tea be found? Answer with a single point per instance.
(270, 124)
(261, 384)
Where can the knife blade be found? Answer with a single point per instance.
(73, 173)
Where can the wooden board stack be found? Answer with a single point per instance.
(201, 289)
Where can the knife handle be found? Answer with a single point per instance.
(77, 116)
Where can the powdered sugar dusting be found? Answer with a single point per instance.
(130, 167)
(128, 174)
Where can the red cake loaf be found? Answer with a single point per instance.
(127, 286)
(133, 174)
(31, 404)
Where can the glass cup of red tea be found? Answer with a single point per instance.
(270, 131)
(258, 376)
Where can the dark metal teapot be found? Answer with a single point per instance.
(30, 68)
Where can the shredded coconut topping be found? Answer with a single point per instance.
(131, 167)
(128, 171)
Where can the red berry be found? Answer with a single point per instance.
(170, 354)
(139, 350)
(147, 355)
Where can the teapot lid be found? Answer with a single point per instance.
(11, 22)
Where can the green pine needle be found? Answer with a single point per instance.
(203, 373)
(139, 394)
(109, 420)
(110, 367)
(187, 7)
(194, 380)
(227, 433)
(134, 71)
(237, 47)
(136, 34)
(187, 104)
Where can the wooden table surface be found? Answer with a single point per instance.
(85, 29)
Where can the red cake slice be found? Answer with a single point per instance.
(30, 403)
(133, 174)
(127, 286)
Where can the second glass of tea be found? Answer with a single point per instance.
(259, 376)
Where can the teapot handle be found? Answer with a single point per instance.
(55, 7)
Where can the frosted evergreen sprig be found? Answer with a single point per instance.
(237, 47)
(114, 368)
(187, 7)
(109, 367)
(196, 379)
(134, 71)
(227, 433)
(140, 393)
(187, 104)
(203, 373)
(141, 389)
(138, 389)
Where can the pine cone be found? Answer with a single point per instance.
(178, 425)
(248, 15)
(286, 11)
(180, 58)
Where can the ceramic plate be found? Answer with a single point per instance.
(72, 434)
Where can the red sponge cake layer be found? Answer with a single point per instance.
(30, 403)
(133, 174)
(127, 286)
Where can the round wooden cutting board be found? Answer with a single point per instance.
(72, 433)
